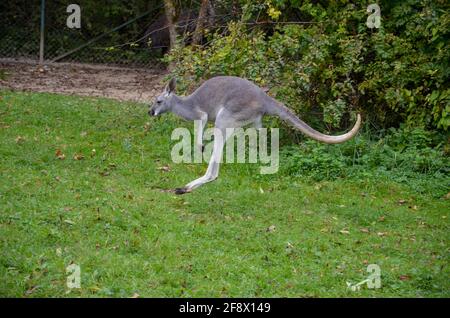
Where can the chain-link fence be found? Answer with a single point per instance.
(111, 32)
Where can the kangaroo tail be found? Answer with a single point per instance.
(278, 109)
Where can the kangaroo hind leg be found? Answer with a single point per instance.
(223, 130)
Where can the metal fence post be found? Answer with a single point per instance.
(41, 45)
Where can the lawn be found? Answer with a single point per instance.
(82, 182)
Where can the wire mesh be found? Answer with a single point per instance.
(116, 35)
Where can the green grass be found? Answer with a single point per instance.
(107, 213)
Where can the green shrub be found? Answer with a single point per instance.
(335, 64)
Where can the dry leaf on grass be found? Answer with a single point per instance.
(20, 139)
(164, 168)
(404, 277)
(31, 290)
(78, 156)
(59, 154)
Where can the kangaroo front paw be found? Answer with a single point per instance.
(181, 190)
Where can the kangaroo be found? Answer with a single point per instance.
(230, 102)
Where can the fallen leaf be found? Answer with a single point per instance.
(364, 230)
(164, 168)
(59, 154)
(381, 219)
(135, 295)
(381, 233)
(401, 201)
(69, 222)
(78, 156)
(31, 290)
(20, 139)
(261, 190)
(413, 207)
(344, 232)
(271, 228)
(404, 277)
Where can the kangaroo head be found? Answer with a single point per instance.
(162, 103)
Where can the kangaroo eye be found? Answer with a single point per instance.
(159, 101)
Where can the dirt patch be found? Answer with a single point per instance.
(124, 84)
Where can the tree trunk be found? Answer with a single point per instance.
(170, 15)
(211, 14)
(199, 29)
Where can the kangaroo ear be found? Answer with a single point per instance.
(171, 86)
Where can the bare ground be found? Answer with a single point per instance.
(124, 84)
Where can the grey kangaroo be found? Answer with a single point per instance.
(230, 102)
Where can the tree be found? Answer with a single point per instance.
(170, 15)
(201, 21)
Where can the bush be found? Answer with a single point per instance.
(335, 64)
